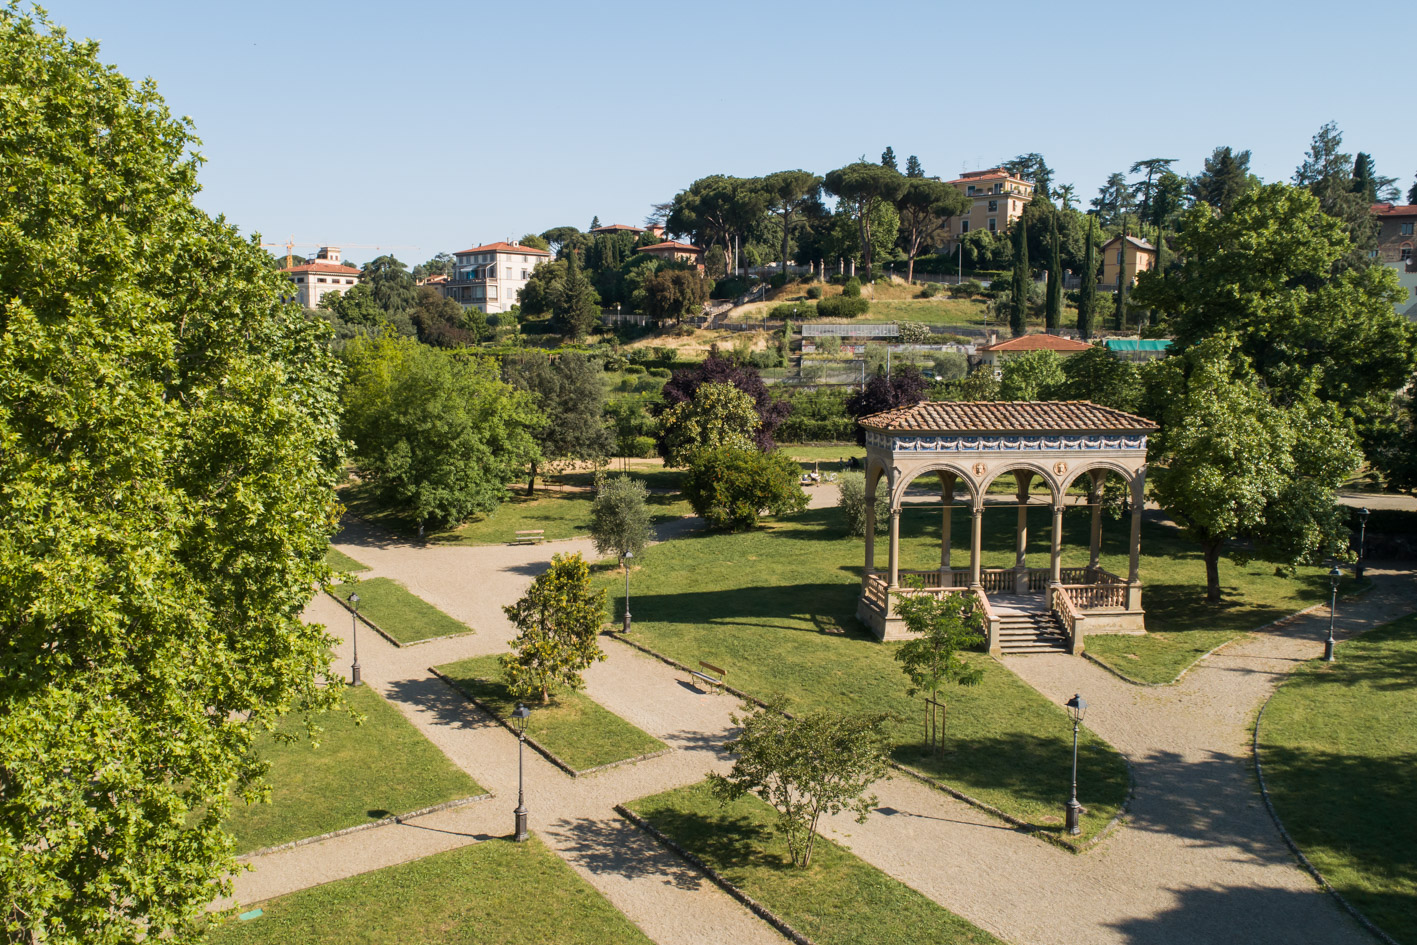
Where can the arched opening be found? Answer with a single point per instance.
(1096, 526)
(933, 537)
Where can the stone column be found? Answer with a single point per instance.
(870, 533)
(976, 541)
(895, 548)
(947, 490)
(1134, 565)
(1020, 551)
(1055, 574)
(1094, 497)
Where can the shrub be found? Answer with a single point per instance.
(914, 333)
(731, 487)
(928, 291)
(815, 292)
(851, 288)
(649, 385)
(789, 310)
(634, 369)
(767, 358)
(638, 447)
(659, 372)
(731, 288)
(778, 280)
(842, 306)
(851, 499)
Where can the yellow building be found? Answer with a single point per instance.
(1132, 256)
(998, 200)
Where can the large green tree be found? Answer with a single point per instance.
(719, 414)
(1327, 173)
(863, 189)
(1033, 375)
(788, 194)
(1266, 271)
(1032, 168)
(924, 207)
(570, 390)
(168, 454)
(391, 285)
(435, 434)
(718, 210)
(1232, 464)
(730, 486)
(1053, 304)
(576, 308)
(1022, 281)
(1225, 179)
(619, 516)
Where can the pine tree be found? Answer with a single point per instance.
(1018, 312)
(577, 306)
(888, 158)
(595, 223)
(1087, 294)
(913, 168)
(1053, 310)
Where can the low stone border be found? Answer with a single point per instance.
(536, 746)
(393, 819)
(1294, 847)
(718, 879)
(384, 633)
(939, 785)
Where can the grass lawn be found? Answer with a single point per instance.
(829, 456)
(937, 311)
(776, 608)
(356, 773)
(343, 563)
(574, 727)
(561, 510)
(490, 893)
(838, 900)
(399, 613)
(1339, 746)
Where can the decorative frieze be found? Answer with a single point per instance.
(1005, 443)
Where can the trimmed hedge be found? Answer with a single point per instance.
(842, 306)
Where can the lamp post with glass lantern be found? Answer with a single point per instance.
(1334, 577)
(519, 716)
(1362, 541)
(1076, 709)
(354, 621)
(625, 563)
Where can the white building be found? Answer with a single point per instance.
(489, 277)
(325, 273)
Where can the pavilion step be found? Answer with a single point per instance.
(1032, 633)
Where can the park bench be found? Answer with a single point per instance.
(718, 683)
(530, 537)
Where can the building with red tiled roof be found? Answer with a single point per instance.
(321, 276)
(656, 228)
(671, 249)
(994, 352)
(1396, 238)
(999, 198)
(1128, 256)
(490, 277)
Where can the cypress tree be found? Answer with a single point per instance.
(1018, 313)
(1053, 310)
(1087, 294)
(1122, 279)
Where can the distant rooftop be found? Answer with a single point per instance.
(1038, 342)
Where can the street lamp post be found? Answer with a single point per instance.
(1362, 541)
(1076, 709)
(1334, 577)
(354, 621)
(519, 716)
(625, 563)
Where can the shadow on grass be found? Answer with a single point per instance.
(725, 840)
(828, 608)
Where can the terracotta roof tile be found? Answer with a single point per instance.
(1017, 416)
(1138, 243)
(1394, 210)
(324, 267)
(1038, 342)
(618, 228)
(503, 248)
(671, 244)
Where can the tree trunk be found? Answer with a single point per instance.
(910, 266)
(531, 481)
(1212, 571)
(786, 219)
(545, 696)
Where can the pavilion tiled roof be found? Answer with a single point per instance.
(1039, 342)
(1016, 416)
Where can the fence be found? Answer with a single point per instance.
(817, 329)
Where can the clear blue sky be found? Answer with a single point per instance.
(440, 126)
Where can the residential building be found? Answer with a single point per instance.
(681, 252)
(656, 229)
(996, 352)
(489, 278)
(998, 199)
(1131, 255)
(1407, 278)
(320, 276)
(1395, 232)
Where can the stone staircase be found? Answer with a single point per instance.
(1035, 632)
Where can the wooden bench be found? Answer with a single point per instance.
(716, 683)
(530, 537)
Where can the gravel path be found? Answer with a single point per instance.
(1199, 861)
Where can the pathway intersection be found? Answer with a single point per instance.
(1198, 861)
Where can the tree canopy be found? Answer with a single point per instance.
(718, 369)
(863, 188)
(168, 454)
(1225, 179)
(570, 390)
(557, 621)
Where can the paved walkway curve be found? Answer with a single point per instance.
(1199, 862)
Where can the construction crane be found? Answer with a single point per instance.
(291, 243)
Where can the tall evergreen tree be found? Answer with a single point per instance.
(1224, 180)
(888, 158)
(1363, 182)
(595, 223)
(1412, 192)
(913, 168)
(1327, 173)
(1018, 311)
(1087, 293)
(577, 306)
(1123, 288)
(1053, 309)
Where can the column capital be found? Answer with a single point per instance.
(976, 510)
